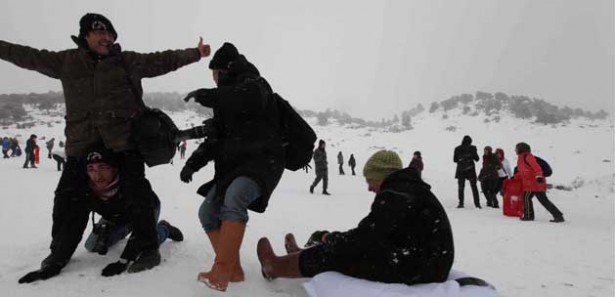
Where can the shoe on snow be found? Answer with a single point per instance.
(174, 233)
(558, 220)
(147, 260)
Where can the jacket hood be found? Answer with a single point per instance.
(467, 140)
(406, 176)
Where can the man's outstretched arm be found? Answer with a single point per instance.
(46, 62)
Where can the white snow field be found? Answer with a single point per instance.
(539, 258)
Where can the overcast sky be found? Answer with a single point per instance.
(370, 58)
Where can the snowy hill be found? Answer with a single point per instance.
(538, 258)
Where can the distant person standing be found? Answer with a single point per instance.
(465, 156)
(15, 149)
(534, 184)
(182, 149)
(59, 155)
(322, 172)
(340, 161)
(505, 172)
(417, 163)
(30, 147)
(488, 177)
(6, 146)
(50, 145)
(352, 163)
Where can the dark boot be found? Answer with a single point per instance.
(324, 192)
(558, 220)
(174, 233)
(311, 189)
(146, 260)
(273, 266)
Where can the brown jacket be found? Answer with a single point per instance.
(102, 96)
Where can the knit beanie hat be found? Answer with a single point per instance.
(223, 57)
(102, 155)
(523, 147)
(93, 22)
(382, 164)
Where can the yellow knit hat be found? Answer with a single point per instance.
(382, 164)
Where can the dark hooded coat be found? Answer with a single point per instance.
(465, 155)
(248, 142)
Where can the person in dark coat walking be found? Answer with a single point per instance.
(30, 147)
(340, 161)
(534, 183)
(248, 154)
(49, 144)
(406, 238)
(465, 156)
(417, 163)
(321, 168)
(352, 163)
(104, 196)
(489, 178)
(103, 95)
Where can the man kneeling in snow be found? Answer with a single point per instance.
(406, 238)
(105, 198)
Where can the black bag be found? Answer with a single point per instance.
(297, 136)
(155, 135)
(546, 168)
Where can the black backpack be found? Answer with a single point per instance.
(155, 135)
(297, 136)
(546, 168)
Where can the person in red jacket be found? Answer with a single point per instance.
(534, 184)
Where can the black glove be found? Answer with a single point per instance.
(115, 268)
(540, 179)
(186, 174)
(41, 274)
(196, 94)
(316, 238)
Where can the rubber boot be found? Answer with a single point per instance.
(238, 274)
(230, 238)
(273, 266)
(290, 244)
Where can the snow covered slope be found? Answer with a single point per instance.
(537, 258)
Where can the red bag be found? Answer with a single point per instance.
(513, 198)
(37, 155)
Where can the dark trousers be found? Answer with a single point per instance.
(140, 198)
(528, 205)
(461, 182)
(489, 188)
(5, 154)
(374, 265)
(325, 180)
(61, 162)
(342, 169)
(352, 168)
(29, 159)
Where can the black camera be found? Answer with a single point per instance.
(207, 130)
(103, 230)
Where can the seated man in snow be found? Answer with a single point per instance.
(105, 198)
(406, 238)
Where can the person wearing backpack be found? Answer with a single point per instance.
(248, 153)
(534, 184)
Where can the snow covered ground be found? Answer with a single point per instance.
(576, 258)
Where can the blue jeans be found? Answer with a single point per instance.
(232, 207)
(119, 232)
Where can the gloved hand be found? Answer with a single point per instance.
(115, 268)
(186, 174)
(41, 274)
(196, 94)
(540, 179)
(317, 238)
